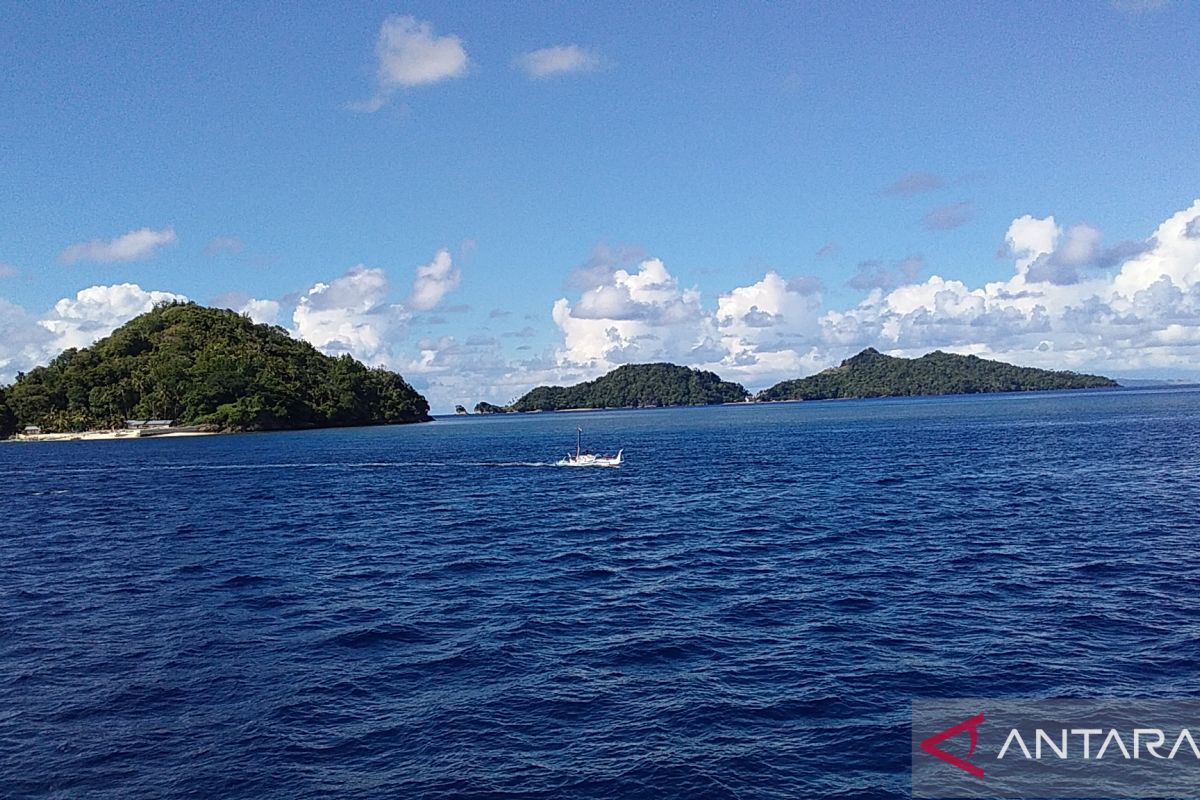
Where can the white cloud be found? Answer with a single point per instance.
(1029, 238)
(350, 315)
(434, 281)
(23, 342)
(98, 310)
(133, 246)
(1140, 318)
(264, 312)
(410, 54)
(1068, 303)
(27, 341)
(1129, 309)
(559, 60)
(639, 316)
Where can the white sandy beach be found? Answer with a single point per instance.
(94, 436)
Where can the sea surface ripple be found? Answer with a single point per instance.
(745, 609)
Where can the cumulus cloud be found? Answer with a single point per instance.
(641, 315)
(96, 311)
(351, 315)
(261, 311)
(27, 340)
(133, 246)
(434, 281)
(1046, 254)
(558, 60)
(604, 261)
(949, 217)
(914, 183)
(23, 342)
(1130, 306)
(1146, 315)
(264, 312)
(410, 54)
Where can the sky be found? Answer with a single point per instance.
(486, 197)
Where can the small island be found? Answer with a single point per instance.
(636, 386)
(488, 408)
(208, 369)
(872, 374)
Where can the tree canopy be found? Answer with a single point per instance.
(211, 367)
(636, 386)
(8, 421)
(872, 374)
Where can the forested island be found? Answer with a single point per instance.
(205, 367)
(872, 374)
(488, 408)
(635, 386)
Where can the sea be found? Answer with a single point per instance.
(746, 608)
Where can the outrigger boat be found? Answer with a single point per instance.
(582, 459)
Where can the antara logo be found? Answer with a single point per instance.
(971, 724)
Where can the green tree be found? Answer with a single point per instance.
(8, 420)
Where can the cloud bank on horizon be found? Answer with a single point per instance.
(1069, 302)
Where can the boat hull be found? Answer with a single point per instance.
(588, 460)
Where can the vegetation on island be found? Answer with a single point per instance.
(8, 420)
(207, 367)
(872, 374)
(636, 386)
(487, 408)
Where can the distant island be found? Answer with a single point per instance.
(205, 367)
(872, 374)
(635, 386)
(488, 408)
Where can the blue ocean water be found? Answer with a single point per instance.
(744, 610)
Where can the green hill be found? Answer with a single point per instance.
(483, 407)
(872, 374)
(210, 367)
(636, 386)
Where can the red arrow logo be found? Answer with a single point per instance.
(930, 745)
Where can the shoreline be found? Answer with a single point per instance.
(97, 436)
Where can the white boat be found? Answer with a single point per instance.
(582, 459)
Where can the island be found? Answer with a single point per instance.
(208, 368)
(483, 407)
(636, 386)
(872, 374)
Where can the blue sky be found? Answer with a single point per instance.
(852, 150)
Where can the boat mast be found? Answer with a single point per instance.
(578, 441)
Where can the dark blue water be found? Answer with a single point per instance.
(744, 610)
